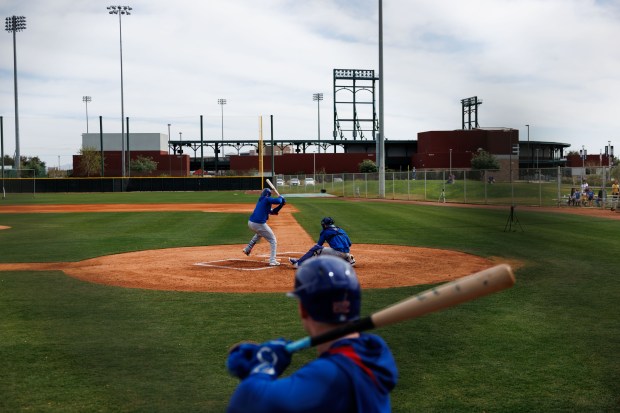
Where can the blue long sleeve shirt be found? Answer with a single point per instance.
(354, 375)
(336, 237)
(263, 207)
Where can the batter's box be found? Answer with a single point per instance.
(236, 264)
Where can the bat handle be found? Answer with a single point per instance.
(297, 345)
(353, 327)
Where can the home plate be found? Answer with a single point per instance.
(236, 264)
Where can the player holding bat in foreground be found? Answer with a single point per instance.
(355, 371)
(352, 374)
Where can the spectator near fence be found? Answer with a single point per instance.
(590, 196)
(615, 193)
(577, 198)
(601, 197)
(571, 197)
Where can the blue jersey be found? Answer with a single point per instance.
(263, 207)
(354, 375)
(336, 237)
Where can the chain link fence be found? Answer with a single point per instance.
(531, 187)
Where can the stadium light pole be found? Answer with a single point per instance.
(528, 142)
(121, 10)
(2, 152)
(583, 163)
(314, 166)
(169, 138)
(13, 25)
(381, 139)
(318, 97)
(86, 99)
(170, 124)
(169, 157)
(222, 102)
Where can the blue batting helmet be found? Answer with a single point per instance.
(266, 192)
(327, 221)
(328, 289)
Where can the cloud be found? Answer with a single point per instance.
(547, 63)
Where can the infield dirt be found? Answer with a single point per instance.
(224, 268)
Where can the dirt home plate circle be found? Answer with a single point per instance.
(224, 268)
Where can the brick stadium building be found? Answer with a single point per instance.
(432, 150)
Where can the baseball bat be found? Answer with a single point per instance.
(451, 294)
(272, 187)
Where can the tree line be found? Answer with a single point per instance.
(30, 165)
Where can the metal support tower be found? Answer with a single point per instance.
(363, 116)
(470, 107)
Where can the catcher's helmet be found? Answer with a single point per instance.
(328, 289)
(266, 192)
(327, 221)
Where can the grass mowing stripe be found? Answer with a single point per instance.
(92, 347)
(78, 236)
(548, 344)
(226, 197)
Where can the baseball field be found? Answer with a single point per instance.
(128, 302)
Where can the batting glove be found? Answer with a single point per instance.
(240, 359)
(272, 358)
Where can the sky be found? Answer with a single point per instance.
(550, 64)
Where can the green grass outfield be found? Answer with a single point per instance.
(551, 343)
